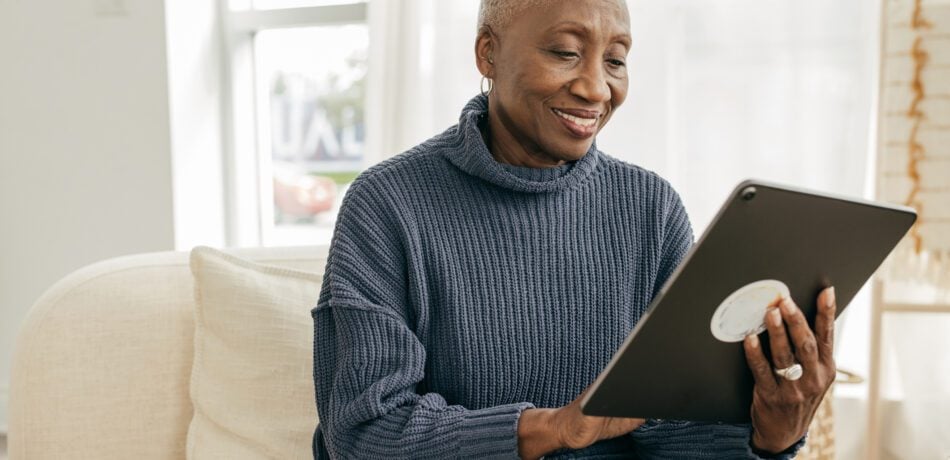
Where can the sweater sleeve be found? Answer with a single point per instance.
(661, 439)
(368, 362)
(676, 236)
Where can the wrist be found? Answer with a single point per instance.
(537, 434)
(763, 448)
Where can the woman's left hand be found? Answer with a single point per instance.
(781, 408)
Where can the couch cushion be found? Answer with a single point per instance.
(252, 375)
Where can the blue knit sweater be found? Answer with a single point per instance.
(460, 291)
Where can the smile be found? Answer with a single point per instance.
(580, 121)
(580, 124)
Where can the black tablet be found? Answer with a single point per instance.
(684, 360)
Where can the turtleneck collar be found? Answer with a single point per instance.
(470, 154)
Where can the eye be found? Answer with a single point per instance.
(564, 54)
(616, 62)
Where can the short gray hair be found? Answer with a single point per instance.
(497, 14)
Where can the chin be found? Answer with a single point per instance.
(573, 152)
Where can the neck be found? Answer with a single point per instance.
(505, 148)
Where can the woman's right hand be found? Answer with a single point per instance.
(541, 431)
(577, 431)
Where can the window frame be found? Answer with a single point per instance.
(247, 160)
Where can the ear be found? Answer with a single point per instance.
(485, 45)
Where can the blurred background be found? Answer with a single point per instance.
(129, 126)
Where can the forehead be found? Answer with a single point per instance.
(596, 17)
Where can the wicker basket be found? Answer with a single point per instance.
(821, 433)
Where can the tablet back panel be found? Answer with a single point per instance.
(672, 367)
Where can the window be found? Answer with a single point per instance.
(298, 75)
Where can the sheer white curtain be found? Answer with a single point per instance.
(422, 55)
(720, 91)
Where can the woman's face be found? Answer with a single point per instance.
(559, 72)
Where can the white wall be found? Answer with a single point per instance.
(196, 89)
(85, 170)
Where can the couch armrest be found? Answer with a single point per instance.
(102, 362)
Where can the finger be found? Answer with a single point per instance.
(806, 347)
(782, 355)
(760, 367)
(825, 323)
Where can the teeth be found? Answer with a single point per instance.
(585, 122)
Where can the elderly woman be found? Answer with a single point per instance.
(479, 282)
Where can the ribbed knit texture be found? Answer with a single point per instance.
(460, 291)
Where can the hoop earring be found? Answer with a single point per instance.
(491, 85)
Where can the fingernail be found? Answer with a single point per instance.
(753, 340)
(831, 297)
(775, 317)
(788, 306)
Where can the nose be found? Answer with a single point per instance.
(591, 83)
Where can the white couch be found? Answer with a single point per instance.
(102, 363)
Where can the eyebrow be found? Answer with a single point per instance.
(578, 28)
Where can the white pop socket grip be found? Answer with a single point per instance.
(743, 312)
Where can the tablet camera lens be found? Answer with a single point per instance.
(748, 193)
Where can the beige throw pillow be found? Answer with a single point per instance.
(252, 376)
